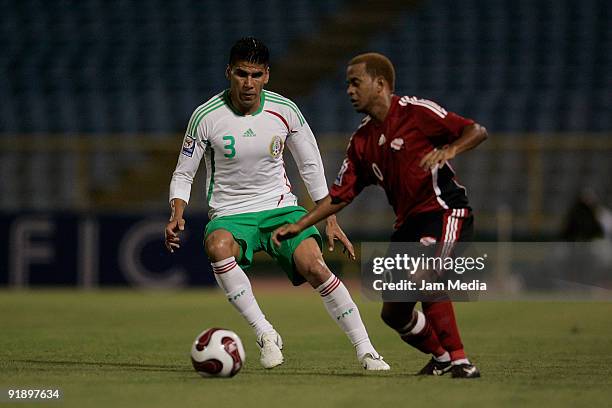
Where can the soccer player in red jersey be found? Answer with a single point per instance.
(404, 145)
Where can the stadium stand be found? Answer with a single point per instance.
(129, 66)
(538, 67)
(517, 66)
(95, 70)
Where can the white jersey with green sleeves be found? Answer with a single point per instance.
(244, 155)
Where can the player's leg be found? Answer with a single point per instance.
(415, 329)
(456, 225)
(223, 250)
(402, 317)
(309, 263)
(441, 312)
(442, 316)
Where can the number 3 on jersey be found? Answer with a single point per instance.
(229, 146)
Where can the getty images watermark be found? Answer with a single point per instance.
(426, 273)
(413, 272)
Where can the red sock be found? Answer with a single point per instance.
(422, 336)
(442, 318)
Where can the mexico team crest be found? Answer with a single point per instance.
(276, 146)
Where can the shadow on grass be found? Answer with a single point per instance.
(281, 373)
(186, 369)
(104, 364)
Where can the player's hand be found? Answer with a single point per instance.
(335, 233)
(285, 232)
(172, 233)
(437, 157)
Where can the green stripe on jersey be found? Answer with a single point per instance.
(286, 102)
(199, 110)
(203, 113)
(198, 113)
(279, 96)
(300, 118)
(282, 98)
(212, 175)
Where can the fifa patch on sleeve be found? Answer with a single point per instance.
(188, 146)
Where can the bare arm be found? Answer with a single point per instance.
(176, 224)
(335, 233)
(187, 165)
(472, 136)
(325, 209)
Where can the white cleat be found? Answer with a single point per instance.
(270, 345)
(374, 363)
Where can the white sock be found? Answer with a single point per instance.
(460, 361)
(237, 287)
(444, 358)
(342, 309)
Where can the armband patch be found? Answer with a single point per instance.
(188, 146)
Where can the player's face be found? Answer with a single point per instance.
(360, 87)
(246, 83)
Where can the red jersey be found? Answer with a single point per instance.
(389, 154)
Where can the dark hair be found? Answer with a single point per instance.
(249, 49)
(377, 65)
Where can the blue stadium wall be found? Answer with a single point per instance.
(99, 250)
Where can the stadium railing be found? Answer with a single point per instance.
(533, 178)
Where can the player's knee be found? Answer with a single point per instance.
(319, 269)
(396, 315)
(310, 264)
(219, 245)
(316, 272)
(387, 317)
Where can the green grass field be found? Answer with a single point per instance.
(131, 349)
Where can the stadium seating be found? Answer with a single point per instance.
(141, 66)
(522, 65)
(129, 67)
(94, 68)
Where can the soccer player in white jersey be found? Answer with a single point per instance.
(241, 133)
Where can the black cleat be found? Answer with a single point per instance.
(434, 367)
(464, 371)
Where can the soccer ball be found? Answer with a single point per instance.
(217, 353)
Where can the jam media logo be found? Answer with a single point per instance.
(276, 146)
(188, 146)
